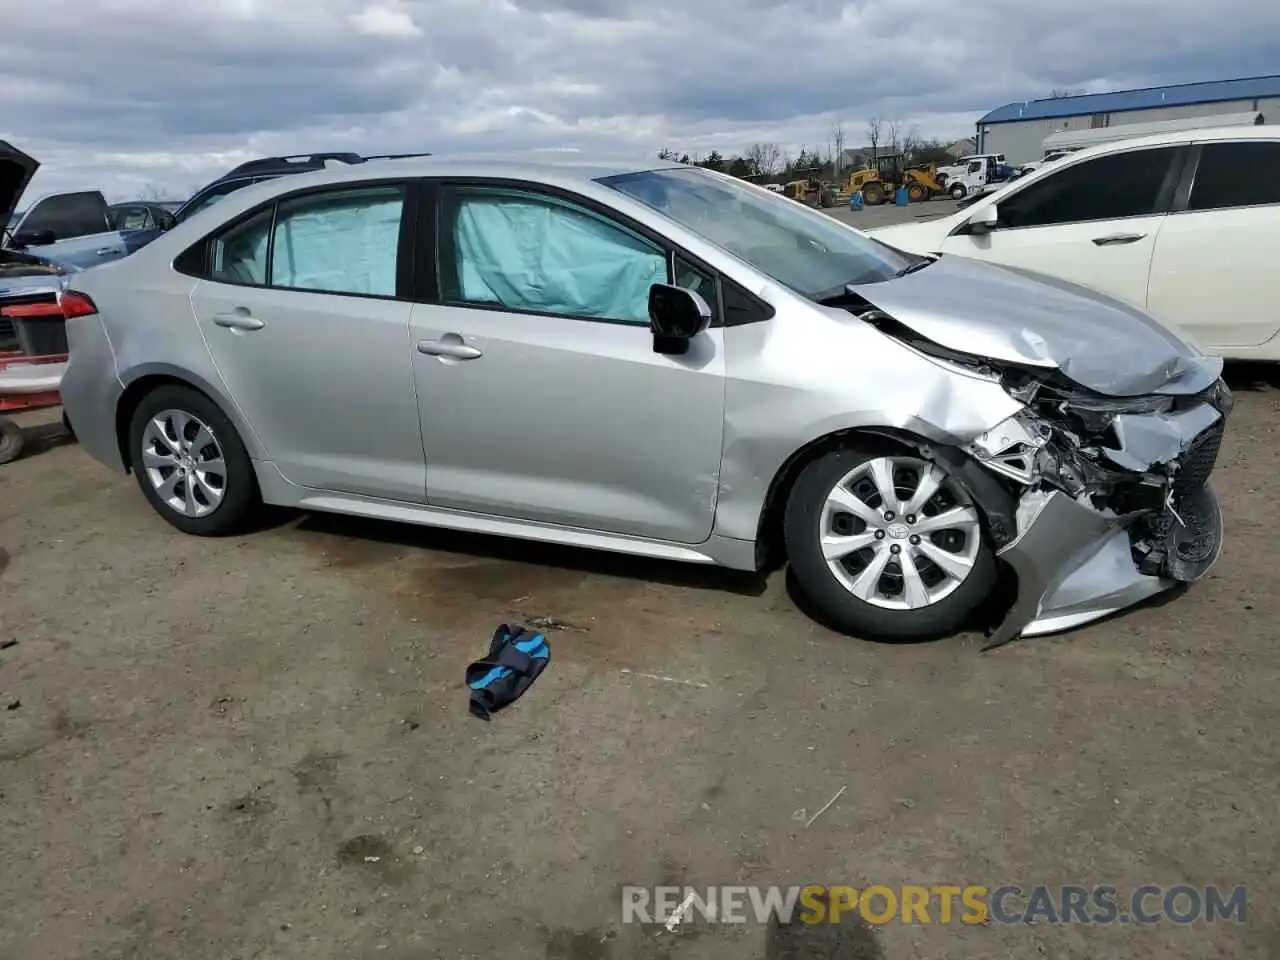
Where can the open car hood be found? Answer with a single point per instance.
(16, 171)
(1016, 316)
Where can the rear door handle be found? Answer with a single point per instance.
(238, 319)
(1116, 239)
(451, 346)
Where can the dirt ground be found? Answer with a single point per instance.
(260, 747)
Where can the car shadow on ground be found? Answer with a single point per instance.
(1252, 375)
(37, 438)
(486, 547)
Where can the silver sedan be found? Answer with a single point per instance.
(657, 360)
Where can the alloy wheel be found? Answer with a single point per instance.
(184, 462)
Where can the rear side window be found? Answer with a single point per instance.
(1236, 175)
(1107, 188)
(341, 241)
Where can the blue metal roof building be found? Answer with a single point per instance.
(1018, 129)
(1148, 98)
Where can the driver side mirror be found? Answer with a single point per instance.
(984, 221)
(676, 316)
(34, 238)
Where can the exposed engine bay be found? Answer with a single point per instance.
(1096, 501)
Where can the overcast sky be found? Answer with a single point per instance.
(124, 95)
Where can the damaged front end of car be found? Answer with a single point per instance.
(1113, 503)
(1095, 500)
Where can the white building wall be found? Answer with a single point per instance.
(1022, 141)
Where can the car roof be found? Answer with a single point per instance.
(1172, 137)
(555, 166)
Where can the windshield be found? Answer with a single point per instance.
(796, 245)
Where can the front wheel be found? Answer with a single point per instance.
(957, 191)
(887, 546)
(191, 464)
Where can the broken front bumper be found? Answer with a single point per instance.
(1075, 564)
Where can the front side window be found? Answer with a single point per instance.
(339, 242)
(531, 252)
(796, 245)
(1106, 188)
(1236, 175)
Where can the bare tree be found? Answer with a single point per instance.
(151, 192)
(891, 131)
(874, 132)
(911, 141)
(1061, 93)
(837, 142)
(764, 158)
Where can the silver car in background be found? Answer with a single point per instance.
(657, 360)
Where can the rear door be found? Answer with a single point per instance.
(1092, 222)
(1214, 272)
(304, 306)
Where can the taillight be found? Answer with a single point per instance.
(76, 304)
(47, 309)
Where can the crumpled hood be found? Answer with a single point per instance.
(16, 171)
(1008, 314)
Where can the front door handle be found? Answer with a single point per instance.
(1116, 239)
(105, 251)
(451, 346)
(238, 319)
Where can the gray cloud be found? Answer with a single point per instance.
(142, 92)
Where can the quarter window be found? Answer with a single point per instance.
(240, 254)
(339, 242)
(1236, 175)
(531, 252)
(1107, 188)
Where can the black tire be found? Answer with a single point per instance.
(11, 440)
(830, 598)
(241, 500)
(66, 425)
(957, 191)
(873, 195)
(916, 192)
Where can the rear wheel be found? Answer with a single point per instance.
(957, 191)
(191, 464)
(873, 194)
(887, 545)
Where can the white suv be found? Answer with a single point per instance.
(1182, 224)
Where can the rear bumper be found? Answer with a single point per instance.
(91, 391)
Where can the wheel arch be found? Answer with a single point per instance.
(147, 379)
(996, 504)
(769, 538)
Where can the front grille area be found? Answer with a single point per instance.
(1190, 530)
(1198, 462)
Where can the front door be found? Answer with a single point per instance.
(1093, 223)
(1214, 272)
(542, 398)
(313, 343)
